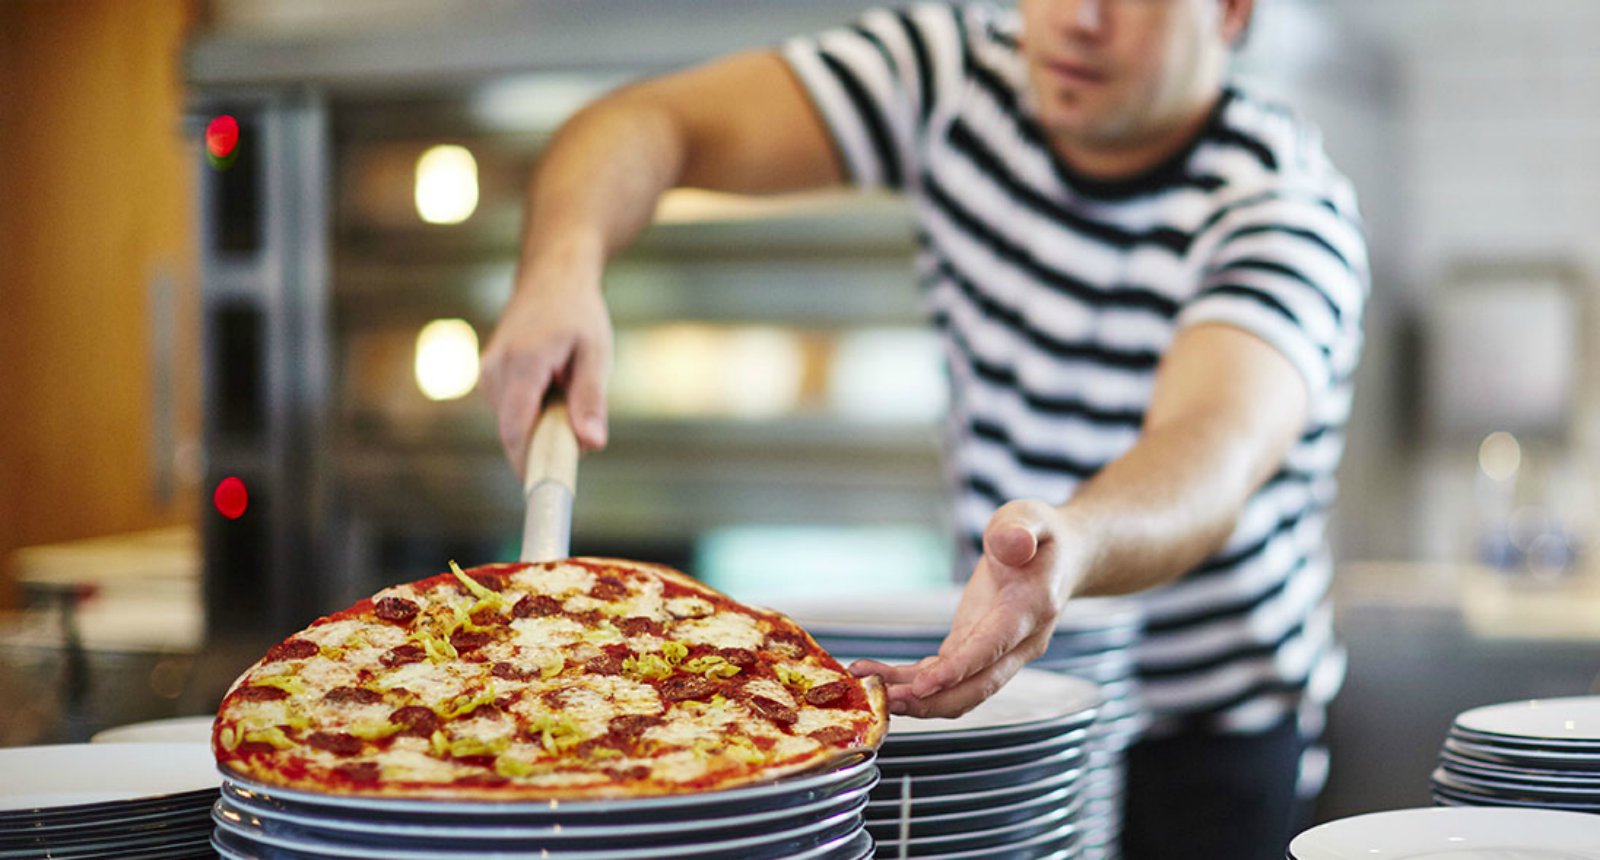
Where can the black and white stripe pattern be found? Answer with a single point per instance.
(1057, 295)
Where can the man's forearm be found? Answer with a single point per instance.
(1159, 510)
(598, 182)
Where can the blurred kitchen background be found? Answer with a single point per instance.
(308, 320)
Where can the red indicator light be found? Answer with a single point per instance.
(231, 498)
(222, 135)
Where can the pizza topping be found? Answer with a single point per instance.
(487, 617)
(365, 771)
(415, 721)
(829, 695)
(775, 711)
(785, 643)
(466, 704)
(352, 696)
(690, 607)
(631, 726)
(511, 673)
(261, 694)
(466, 641)
(832, 735)
(640, 625)
(681, 687)
(744, 658)
(396, 609)
(791, 678)
(293, 649)
(605, 664)
(608, 588)
(338, 743)
(403, 654)
(647, 667)
(480, 590)
(536, 606)
(712, 666)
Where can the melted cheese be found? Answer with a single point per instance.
(689, 607)
(565, 579)
(726, 630)
(408, 763)
(432, 682)
(790, 746)
(552, 631)
(645, 602)
(812, 719)
(771, 689)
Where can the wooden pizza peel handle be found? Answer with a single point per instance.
(549, 483)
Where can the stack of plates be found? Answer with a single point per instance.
(1092, 641)
(815, 816)
(1453, 834)
(1542, 753)
(127, 801)
(1004, 780)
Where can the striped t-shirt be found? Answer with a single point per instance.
(1056, 295)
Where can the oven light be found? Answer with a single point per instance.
(447, 359)
(447, 185)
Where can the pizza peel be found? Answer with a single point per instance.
(549, 484)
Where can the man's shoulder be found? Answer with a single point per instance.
(1260, 145)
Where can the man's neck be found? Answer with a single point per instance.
(1111, 162)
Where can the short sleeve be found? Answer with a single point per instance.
(1293, 271)
(878, 83)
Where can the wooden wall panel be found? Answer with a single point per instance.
(95, 193)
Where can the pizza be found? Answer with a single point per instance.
(581, 678)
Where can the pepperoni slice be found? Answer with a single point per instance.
(400, 655)
(509, 672)
(492, 580)
(744, 658)
(536, 606)
(775, 711)
(832, 735)
(256, 693)
(488, 617)
(681, 687)
(466, 641)
(293, 649)
(629, 726)
(605, 664)
(828, 695)
(639, 625)
(396, 609)
(415, 721)
(338, 743)
(608, 588)
(352, 696)
(364, 771)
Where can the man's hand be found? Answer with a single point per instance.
(1006, 616)
(555, 331)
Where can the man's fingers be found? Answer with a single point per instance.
(521, 394)
(586, 395)
(964, 696)
(890, 673)
(995, 636)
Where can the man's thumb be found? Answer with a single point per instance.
(1015, 531)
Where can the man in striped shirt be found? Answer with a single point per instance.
(1150, 287)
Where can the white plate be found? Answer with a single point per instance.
(178, 730)
(928, 613)
(1033, 696)
(1454, 833)
(74, 774)
(1570, 719)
